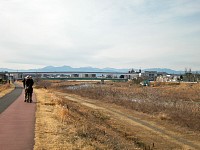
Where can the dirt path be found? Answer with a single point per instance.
(150, 130)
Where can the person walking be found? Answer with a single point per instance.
(24, 85)
(29, 88)
(24, 82)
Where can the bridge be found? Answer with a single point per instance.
(113, 76)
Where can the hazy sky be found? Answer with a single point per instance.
(100, 33)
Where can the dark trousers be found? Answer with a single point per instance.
(28, 94)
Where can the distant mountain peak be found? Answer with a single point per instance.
(90, 69)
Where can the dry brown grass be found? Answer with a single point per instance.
(6, 88)
(179, 103)
(63, 124)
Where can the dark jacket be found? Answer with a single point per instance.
(29, 85)
(24, 82)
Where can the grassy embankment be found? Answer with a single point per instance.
(62, 124)
(177, 103)
(5, 89)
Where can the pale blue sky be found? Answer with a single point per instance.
(100, 33)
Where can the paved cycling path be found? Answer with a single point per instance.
(17, 121)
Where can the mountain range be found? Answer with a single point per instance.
(89, 69)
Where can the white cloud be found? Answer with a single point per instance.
(104, 33)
